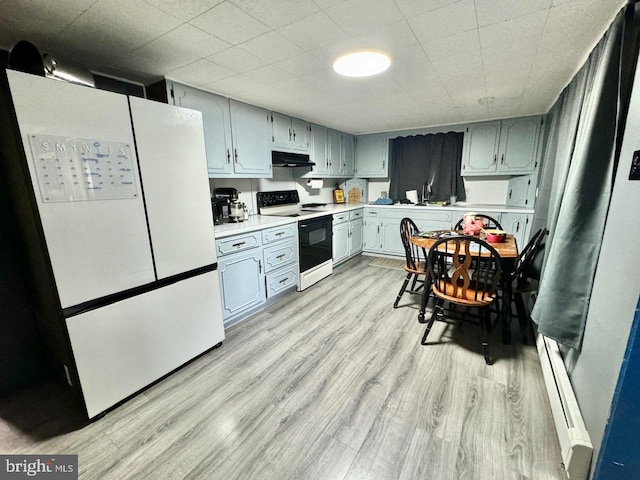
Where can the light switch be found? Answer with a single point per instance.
(634, 174)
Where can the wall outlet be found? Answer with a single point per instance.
(634, 174)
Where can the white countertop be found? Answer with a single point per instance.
(260, 222)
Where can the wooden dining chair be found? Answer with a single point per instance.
(489, 222)
(415, 260)
(524, 278)
(465, 271)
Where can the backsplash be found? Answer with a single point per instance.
(480, 191)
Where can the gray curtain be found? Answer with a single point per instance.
(581, 157)
(433, 158)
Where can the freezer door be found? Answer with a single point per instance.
(173, 166)
(95, 231)
(121, 348)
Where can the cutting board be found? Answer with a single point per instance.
(355, 190)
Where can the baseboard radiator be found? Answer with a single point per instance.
(575, 443)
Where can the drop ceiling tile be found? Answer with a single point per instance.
(324, 4)
(441, 49)
(411, 8)
(200, 72)
(39, 18)
(237, 60)
(228, 22)
(184, 10)
(168, 54)
(277, 13)
(186, 39)
(390, 37)
(268, 75)
(238, 83)
(523, 32)
(358, 16)
(500, 10)
(302, 64)
(313, 32)
(446, 21)
(271, 47)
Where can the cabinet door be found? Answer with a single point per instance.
(371, 156)
(281, 133)
(251, 131)
(356, 237)
(340, 242)
(519, 145)
(480, 149)
(216, 122)
(371, 241)
(300, 134)
(390, 237)
(348, 158)
(241, 282)
(334, 149)
(318, 152)
(517, 194)
(518, 225)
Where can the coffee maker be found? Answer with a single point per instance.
(228, 198)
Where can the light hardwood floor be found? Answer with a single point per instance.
(331, 383)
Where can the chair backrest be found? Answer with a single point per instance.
(527, 257)
(489, 222)
(415, 256)
(464, 267)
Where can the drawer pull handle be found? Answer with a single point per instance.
(284, 280)
(279, 234)
(239, 244)
(280, 256)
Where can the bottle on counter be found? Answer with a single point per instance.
(245, 214)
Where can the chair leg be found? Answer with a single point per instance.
(437, 305)
(402, 289)
(485, 339)
(523, 317)
(413, 284)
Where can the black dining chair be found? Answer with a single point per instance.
(489, 222)
(415, 260)
(465, 272)
(525, 276)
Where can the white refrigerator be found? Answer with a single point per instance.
(113, 198)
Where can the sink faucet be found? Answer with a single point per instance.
(426, 192)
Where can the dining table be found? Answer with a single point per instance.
(508, 252)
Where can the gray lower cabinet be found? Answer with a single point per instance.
(518, 225)
(241, 282)
(347, 235)
(254, 267)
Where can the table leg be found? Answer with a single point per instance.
(425, 298)
(506, 314)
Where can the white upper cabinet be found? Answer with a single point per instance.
(507, 147)
(372, 156)
(334, 152)
(289, 134)
(217, 125)
(348, 155)
(250, 129)
(480, 149)
(237, 135)
(519, 145)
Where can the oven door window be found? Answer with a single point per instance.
(315, 244)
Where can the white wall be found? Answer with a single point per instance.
(615, 292)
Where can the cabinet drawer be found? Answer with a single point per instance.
(238, 243)
(281, 280)
(278, 255)
(353, 214)
(275, 234)
(371, 212)
(340, 217)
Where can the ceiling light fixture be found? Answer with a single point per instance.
(362, 64)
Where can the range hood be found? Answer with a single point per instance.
(288, 159)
